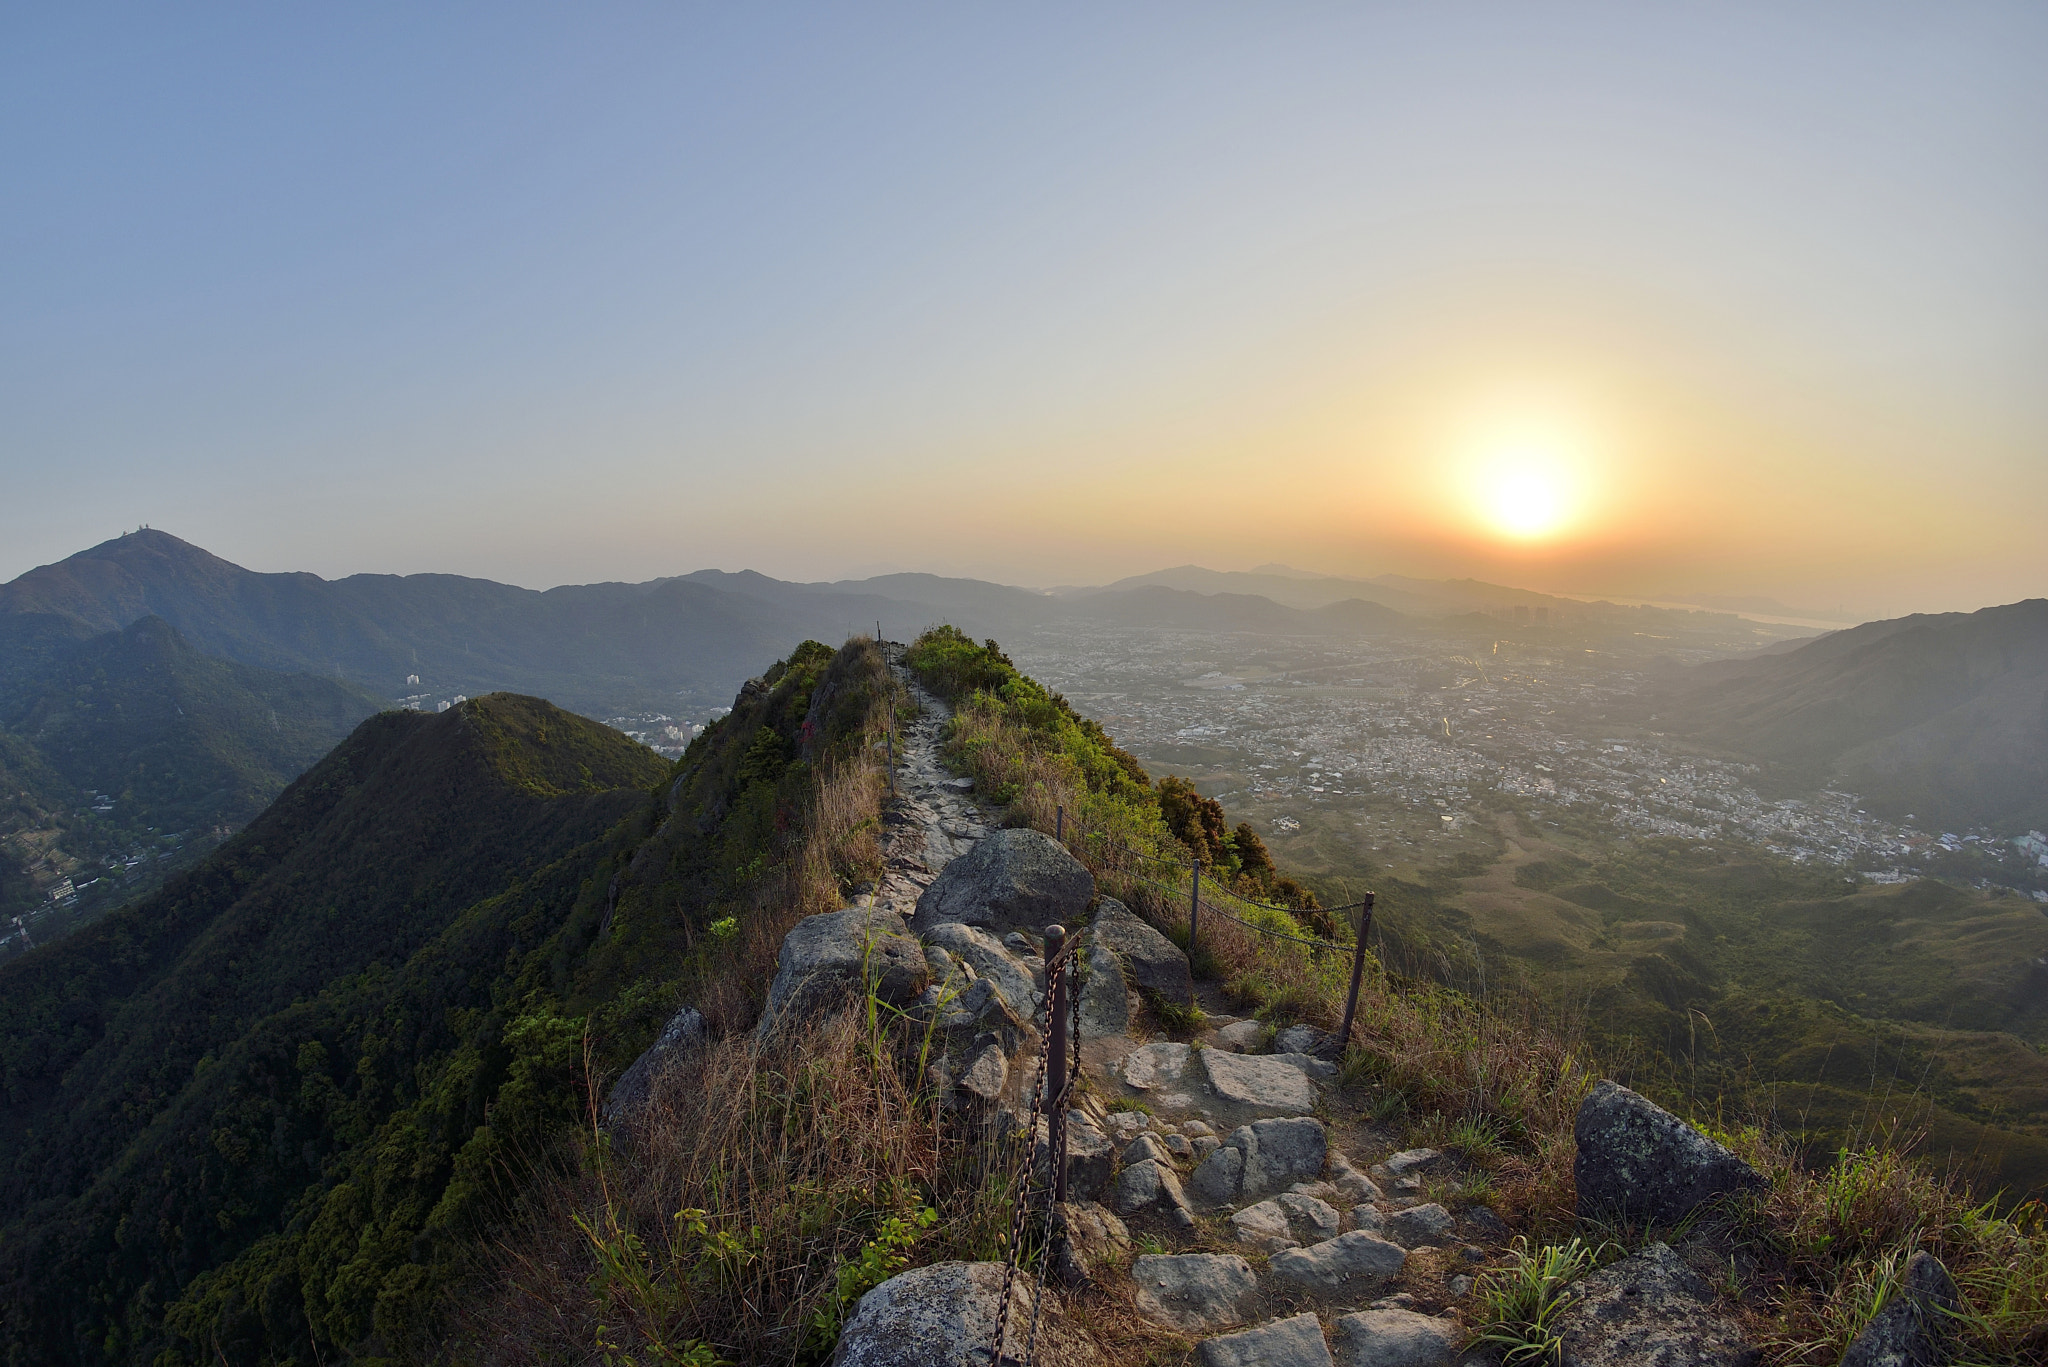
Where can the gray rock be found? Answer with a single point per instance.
(1085, 1235)
(990, 961)
(1204, 1145)
(1397, 1338)
(1410, 1162)
(1421, 1226)
(944, 1315)
(1279, 1153)
(1151, 961)
(1306, 1039)
(1018, 943)
(957, 785)
(984, 1013)
(1370, 1219)
(984, 1078)
(1459, 1286)
(1147, 1148)
(826, 959)
(1008, 880)
(1179, 1148)
(1152, 1186)
(1294, 1342)
(1218, 1177)
(1196, 1293)
(1259, 1082)
(1314, 1220)
(1105, 996)
(635, 1087)
(1353, 1186)
(1343, 1266)
(1910, 1329)
(1264, 1226)
(1090, 1156)
(1243, 1036)
(1650, 1310)
(1155, 1065)
(1195, 1129)
(1637, 1160)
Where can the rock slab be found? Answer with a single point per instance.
(1295, 1342)
(1650, 1310)
(1009, 880)
(1345, 1265)
(1638, 1161)
(1196, 1293)
(1397, 1338)
(1259, 1082)
(944, 1315)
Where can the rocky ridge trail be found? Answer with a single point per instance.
(1223, 1188)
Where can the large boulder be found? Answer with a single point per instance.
(635, 1088)
(1639, 1161)
(1153, 963)
(1650, 1310)
(1010, 880)
(1105, 997)
(1908, 1332)
(828, 959)
(944, 1315)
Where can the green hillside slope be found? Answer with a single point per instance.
(266, 1115)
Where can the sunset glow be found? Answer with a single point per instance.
(1523, 496)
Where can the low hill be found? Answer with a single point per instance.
(1944, 716)
(127, 751)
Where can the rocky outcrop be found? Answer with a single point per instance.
(1909, 1330)
(1650, 1310)
(1152, 963)
(830, 958)
(992, 960)
(1293, 1342)
(1639, 1161)
(944, 1315)
(635, 1088)
(1009, 880)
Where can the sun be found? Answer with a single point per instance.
(1524, 493)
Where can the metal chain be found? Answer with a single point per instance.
(1020, 1179)
(1060, 1111)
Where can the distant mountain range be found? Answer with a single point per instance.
(1944, 716)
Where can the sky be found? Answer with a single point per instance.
(1592, 298)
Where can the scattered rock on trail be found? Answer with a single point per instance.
(1243, 1036)
(1420, 1226)
(826, 959)
(944, 1315)
(1259, 1082)
(1152, 1185)
(635, 1087)
(991, 961)
(1152, 962)
(1295, 1342)
(1908, 1331)
(1286, 1221)
(1008, 880)
(1397, 1338)
(1306, 1039)
(1155, 1065)
(1279, 1153)
(1091, 1156)
(1195, 1293)
(1344, 1266)
(1637, 1160)
(1085, 1234)
(1650, 1310)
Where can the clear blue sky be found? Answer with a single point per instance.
(1044, 293)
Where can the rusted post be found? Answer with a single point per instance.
(1056, 989)
(1194, 916)
(1357, 971)
(1059, 824)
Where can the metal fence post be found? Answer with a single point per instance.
(1194, 916)
(1059, 824)
(1357, 970)
(1056, 1057)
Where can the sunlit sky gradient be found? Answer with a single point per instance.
(1047, 294)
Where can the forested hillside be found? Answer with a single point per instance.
(122, 755)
